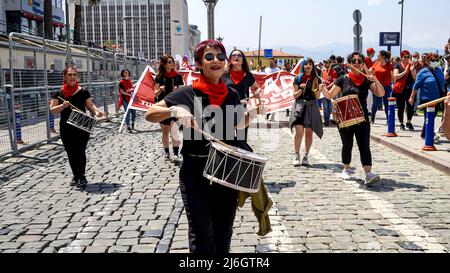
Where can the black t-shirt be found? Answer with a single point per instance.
(243, 87)
(340, 70)
(308, 93)
(349, 88)
(169, 84)
(78, 100)
(195, 144)
(409, 80)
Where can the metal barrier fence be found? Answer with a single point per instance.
(34, 73)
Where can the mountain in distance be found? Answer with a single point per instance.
(343, 49)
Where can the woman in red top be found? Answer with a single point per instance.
(126, 90)
(404, 75)
(384, 72)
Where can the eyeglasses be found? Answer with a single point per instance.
(354, 61)
(209, 57)
(406, 57)
(236, 55)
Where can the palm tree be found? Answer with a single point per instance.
(77, 27)
(48, 18)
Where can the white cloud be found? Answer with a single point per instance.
(374, 2)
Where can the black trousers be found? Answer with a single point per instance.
(362, 133)
(75, 142)
(210, 209)
(402, 103)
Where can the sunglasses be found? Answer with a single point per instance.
(406, 57)
(169, 62)
(355, 61)
(236, 55)
(209, 57)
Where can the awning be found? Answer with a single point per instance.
(32, 16)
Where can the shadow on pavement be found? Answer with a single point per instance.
(389, 185)
(276, 187)
(101, 188)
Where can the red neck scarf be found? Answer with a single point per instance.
(216, 92)
(237, 76)
(171, 74)
(127, 84)
(306, 78)
(357, 79)
(68, 91)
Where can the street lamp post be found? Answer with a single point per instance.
(69, 61)
(401, 25)
(210, 5)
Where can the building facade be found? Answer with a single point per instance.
(194, 38)
(281, 57)
(125, 24)
(2, 18)
(27, 16)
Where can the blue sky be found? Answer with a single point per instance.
(313, 23)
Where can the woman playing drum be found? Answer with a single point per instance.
(73, 139)
(210, 208)
(356, 83)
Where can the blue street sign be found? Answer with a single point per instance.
(268, 53)
(389, 38)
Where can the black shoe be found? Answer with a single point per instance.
(82, 181)
(402, 127)
(409, 126)
(326, 124)
(74, 181)
(129, 130)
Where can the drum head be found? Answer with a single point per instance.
(238, 152)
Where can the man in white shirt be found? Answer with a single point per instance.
(272, 66)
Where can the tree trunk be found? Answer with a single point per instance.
(77, 27)
(48, 18)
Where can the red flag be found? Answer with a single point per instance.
(144, 91)
(277, 91)
(189, 76)
(296, 69)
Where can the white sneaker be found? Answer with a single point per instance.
(305, 161)
(371, 179)
(176, 159)
(296, 160)
(346, 174)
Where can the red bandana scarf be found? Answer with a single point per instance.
(171, 74)
(68, 91)
(357, 79)
(306, 78)
(216, 92)
(237, 77)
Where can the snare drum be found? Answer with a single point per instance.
(348, 111)
(81, 121)
(234, 168)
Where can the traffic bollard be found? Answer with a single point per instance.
(18, 117)
(429, 130)
(391, 118)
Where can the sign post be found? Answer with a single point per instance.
(389, 39)
(357, 31)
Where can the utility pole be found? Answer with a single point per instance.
(259, 47)
(69, 61)
(401, 26)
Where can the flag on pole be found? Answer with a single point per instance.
(144, 93)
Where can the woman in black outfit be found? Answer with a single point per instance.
(74, 140)
(356, 84)
(210, 208)
(239, 77)
(166, 82)
(305, 113)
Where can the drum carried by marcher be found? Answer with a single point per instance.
(81, 121)
(234, 167)
(348, 111)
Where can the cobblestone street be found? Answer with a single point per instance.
(133, 203)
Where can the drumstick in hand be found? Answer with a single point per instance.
(351, 66)
(71, 105)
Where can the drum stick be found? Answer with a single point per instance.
(71, 105)
(432, 103)
(351, 66)
(213, 138)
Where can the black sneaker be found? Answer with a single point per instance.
(129, 130)
(402, 127)
(410, 126)
(82, 181)
(167, 157)
(74, 182)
